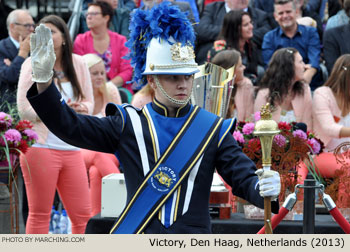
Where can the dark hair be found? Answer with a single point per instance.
(282, 2)
(279, 75)
(231, 32)
(106, 9)
(231, 28)
(67, 50)
(339, 81)
(227, 59)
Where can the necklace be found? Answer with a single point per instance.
(60, 74)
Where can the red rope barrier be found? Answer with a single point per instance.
(276, 219)
(328, 202)
(339, 218)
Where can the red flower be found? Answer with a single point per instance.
(24, 124)
(219, 45)
(284, 126)
(254, 144)
(23, 146)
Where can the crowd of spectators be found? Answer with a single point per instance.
(283, 51)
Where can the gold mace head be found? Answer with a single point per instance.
(266, 129)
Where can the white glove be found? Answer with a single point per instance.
(269, 183)
(42, 54)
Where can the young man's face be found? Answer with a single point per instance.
(178, 87)
(285, 15)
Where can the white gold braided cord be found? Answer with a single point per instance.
(175, 66)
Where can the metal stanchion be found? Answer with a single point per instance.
(309, 223)
(309, 205)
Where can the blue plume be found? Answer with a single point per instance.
(162, 21)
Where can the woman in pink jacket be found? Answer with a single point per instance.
(110, 46)
(282, 87)
(99, 164)
(52, 164)
(242, 99)
(331, 117)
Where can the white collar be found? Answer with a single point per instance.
(15, 42)
(228, 8)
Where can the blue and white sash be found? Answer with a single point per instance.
(170, 170)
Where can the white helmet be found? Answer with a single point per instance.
(170, 57)
(161, 42)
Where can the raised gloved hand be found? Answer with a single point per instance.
(42, 54)
(269, 183)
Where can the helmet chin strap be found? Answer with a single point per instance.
(172, 100)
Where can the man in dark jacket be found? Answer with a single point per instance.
(212, 18)
(13, 51)
(335, 44)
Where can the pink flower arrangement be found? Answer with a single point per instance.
(248, 128)
(280, 140)
(31, 135)
(290, 146)
(299, 133)
(5, 120)
(244, 134)
(15, 137)
(315, 145)
(238, 136)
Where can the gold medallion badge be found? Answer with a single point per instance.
(182, 53)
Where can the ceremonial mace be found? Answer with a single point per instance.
(266, 129)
